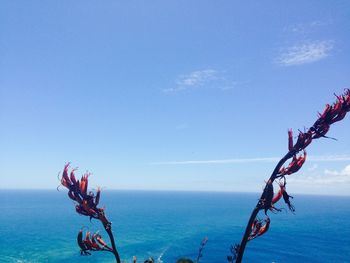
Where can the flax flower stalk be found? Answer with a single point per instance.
(86, 203)
(331, 114)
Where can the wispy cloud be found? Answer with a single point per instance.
(305, 53)
(328, 177)
(218, 161)
(307, 27)
(194, 79)
(203, 78)
(197, 78)
(322, 158)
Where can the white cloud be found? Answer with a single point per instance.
(305, 53)
(196, 78)
(321, 158)
(328, 177)
(344, 172)
(203, 78)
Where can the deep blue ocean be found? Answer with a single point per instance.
(41, 226)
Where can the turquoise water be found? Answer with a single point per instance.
(41, 226)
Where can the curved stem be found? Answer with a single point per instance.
(258, 207)
(115, 251)
(108, 227)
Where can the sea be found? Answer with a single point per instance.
(42, 226)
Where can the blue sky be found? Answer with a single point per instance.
(171, 95)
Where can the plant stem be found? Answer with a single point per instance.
(108, 228)
(115, 252)
(258, 208)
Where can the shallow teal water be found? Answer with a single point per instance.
(41, 226)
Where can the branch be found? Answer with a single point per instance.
(87, 205)
(108, 229)
(331, 114)
(258, 208)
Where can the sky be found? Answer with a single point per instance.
(171, 95)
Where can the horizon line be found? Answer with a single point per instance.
(175, 190)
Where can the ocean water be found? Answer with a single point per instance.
(41, 226)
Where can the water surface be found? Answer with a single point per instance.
(41, 226)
